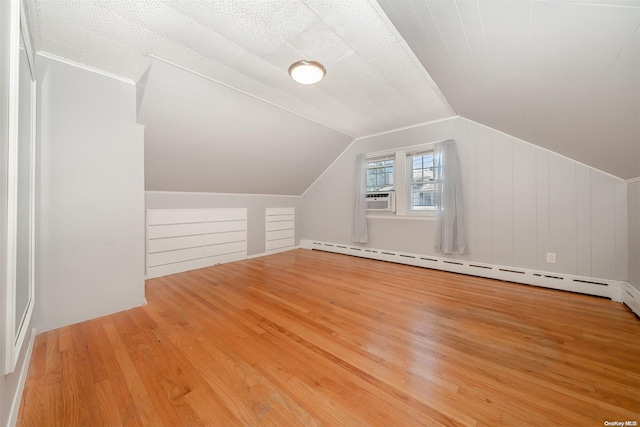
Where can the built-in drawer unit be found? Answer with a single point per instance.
(281, 229)
(186, 239)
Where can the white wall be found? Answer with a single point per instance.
(205, 136)
(522, 202)
(91, 216)
(256, 206)
(633, 200)
(327, 206)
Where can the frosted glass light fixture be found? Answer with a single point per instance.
(307, 72)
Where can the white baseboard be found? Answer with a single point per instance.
(631, 298)
(274, 251)
(585, 285)
(24, 370)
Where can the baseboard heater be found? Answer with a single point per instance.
(585, 285)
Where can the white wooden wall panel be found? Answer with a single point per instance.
(185, 239)
(583, 220)
(542, 211)
(472, 189)
(622, 231)
(280, 229)
(484, 165)
(524, 205)
(562, 214)
(460, 136)
(502, 199)
(522, 201)
(603, 248)
(532, 201)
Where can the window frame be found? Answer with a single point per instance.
(402, 180)
(383, 158)
(411, 209)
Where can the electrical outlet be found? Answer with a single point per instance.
(551, 257)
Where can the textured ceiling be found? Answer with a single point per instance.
(373, 84)
(563, 75)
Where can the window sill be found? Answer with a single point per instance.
(402, 217)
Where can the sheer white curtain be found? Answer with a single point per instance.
(360, 234)
(450, 235)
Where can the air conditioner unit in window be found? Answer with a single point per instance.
(381, 201)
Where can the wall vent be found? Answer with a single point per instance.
(589, 281)
(511, 271)
(479, 266)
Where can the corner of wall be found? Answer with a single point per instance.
(633, 218)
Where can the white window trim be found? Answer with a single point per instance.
(402, 183)
(409, 178)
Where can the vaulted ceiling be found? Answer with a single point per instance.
(201, 135)
(561, 74)
(372, 84)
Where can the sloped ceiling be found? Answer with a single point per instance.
(563, 75)
(201, 135)
(373, 83)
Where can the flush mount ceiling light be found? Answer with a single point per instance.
(307, 72)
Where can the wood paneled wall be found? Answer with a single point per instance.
(522, 201)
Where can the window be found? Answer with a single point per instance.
(402, 182)
(380, 173)
(423, 180)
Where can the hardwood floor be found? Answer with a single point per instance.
(314, 338)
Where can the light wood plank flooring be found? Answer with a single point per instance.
(312, 338)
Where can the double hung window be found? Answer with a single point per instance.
(423, 177)
(404, 181)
